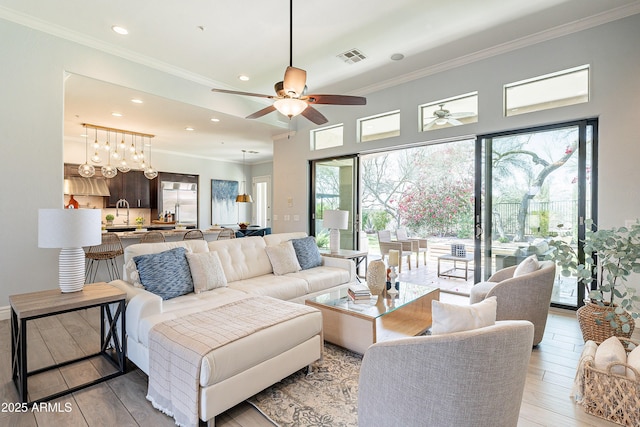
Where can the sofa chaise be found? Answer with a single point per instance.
(245, 366)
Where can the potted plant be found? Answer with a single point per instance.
(109, 219)
(613, 255)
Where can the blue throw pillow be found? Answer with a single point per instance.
(166, 273)
(307, 252)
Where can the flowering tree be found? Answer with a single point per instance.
(441, 207)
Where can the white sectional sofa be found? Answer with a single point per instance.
(243, 367)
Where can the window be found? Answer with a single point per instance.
(381, 126)
(456, 111)
(554, 90)
(327, 137)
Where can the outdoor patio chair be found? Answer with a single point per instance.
(401, 234)
(403, 248)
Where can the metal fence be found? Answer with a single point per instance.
(543, 217)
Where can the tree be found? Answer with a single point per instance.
(512, 156)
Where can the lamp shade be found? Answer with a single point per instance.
(69, 228)
(336, 219)
(290, 107)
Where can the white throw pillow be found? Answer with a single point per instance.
(132, 274)
(633, 360)
(611, 350)
(528, 265)
(283, 258)
(449, 318)
(206, 271)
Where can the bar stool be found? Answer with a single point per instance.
(152, 237)
(107, 251)
(193, 235)
(226, 234)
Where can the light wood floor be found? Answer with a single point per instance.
(121, 401)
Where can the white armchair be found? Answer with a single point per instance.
(471, 378)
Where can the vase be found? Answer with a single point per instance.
(376, 277)
(595, 326)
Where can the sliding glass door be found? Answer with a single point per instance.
(539, 185)
(334, 186)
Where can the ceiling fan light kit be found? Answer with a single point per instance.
(291, 98)
(290, 107)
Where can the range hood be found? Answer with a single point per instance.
(79, 186)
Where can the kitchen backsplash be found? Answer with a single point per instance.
(94, 202)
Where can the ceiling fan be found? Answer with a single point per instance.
(442, 117)
(291, 96)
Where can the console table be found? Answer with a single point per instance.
(35, 305)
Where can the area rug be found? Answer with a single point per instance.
(327, 397)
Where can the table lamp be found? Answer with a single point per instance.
(69, 230)
(335, 220)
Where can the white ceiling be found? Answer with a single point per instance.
(212, 42)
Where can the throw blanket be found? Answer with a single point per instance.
(176, 349)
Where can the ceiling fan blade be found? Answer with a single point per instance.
(314, 115)
(462, 115)
(294, 81)
(262, 112)
(429, 125)
(454, 121)
(236, 92)
(336, 99)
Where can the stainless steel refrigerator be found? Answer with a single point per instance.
(181, 199)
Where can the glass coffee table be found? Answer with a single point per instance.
(357, 325)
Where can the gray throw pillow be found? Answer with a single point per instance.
(166, 273)
(307, 252)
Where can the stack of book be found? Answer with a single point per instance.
(359, 292)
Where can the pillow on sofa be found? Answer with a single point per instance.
(206, 271)
(283, 258)
(166, 273)
(132, 273)
(307, 252)
(447, 318)
(633, 360)
(611, 350)
(528, 265)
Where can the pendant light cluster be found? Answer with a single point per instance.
(119, 156)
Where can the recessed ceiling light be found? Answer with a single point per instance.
(397, 57)
(120, 30)
(137, 101)
(114, 114)
(243, 78)
(213, 119)
(189, 128)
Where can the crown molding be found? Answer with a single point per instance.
(559, 31)
(543, 36)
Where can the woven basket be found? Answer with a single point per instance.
(595, 327)
(612, 397)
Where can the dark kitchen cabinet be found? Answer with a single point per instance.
(132, 186)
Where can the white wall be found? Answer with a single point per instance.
(31, 140)
(612, 51)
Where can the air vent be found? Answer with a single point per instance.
(352, 56)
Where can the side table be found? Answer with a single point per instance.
(451, 272)
(35, 305)
(357, 256)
